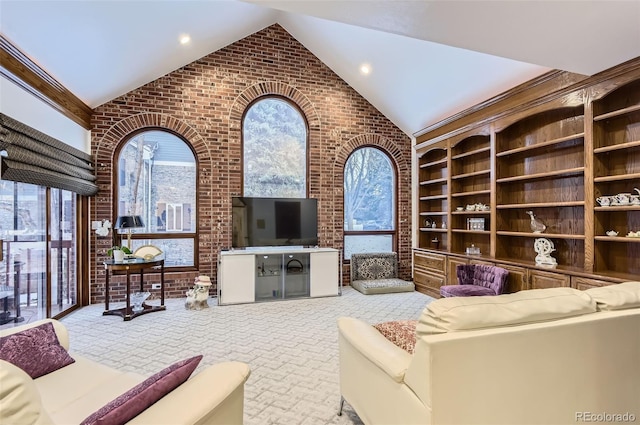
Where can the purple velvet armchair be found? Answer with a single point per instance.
(475, 280)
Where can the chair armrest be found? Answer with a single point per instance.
(372, 345)
(213, 396)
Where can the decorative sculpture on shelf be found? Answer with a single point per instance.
(544, 247)
(537, 226)
(197, 297)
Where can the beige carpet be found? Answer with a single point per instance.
(291, 347)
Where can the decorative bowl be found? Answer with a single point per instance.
(612, 233)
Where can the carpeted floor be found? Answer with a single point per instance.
(291, 347)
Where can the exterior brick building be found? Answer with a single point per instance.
(204, 101)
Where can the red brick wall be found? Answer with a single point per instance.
(204, 102)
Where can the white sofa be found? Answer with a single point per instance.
(548, 356)
(70, 394)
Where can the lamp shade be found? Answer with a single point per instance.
(128, 222)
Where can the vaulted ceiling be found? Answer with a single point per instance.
(429, 59)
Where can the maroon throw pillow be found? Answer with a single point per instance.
(36, 350)
(137, 399)
(401, 332)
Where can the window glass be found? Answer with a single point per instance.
(275, 150)
(369, 191)
(38, 279)
(157, 180)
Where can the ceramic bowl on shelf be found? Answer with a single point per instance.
(612, 233)
(634, 234)
(460, 209)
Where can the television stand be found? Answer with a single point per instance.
(278, 273)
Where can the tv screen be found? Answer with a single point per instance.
(274, 222)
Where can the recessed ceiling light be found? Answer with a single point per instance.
(185, 39)
(365, 69)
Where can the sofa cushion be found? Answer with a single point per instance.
(19, 398)
(136, 400)
(465, 291)
(35, 350)
(382, 286)
(616, 297)
(535, 305)
(401, 332)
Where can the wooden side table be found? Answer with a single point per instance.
(127, 267)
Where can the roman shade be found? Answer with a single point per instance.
(35, 158)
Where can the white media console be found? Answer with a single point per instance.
(270, 274)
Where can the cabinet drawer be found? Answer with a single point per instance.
(428, 283)
(433, 262)
(583, 283)
(540, 279)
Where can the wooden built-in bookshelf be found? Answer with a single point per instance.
(552, 146)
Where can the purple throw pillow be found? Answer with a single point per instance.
(36, 350)
(137, 399)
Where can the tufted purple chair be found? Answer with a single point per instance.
(477, 279)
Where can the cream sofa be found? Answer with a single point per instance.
(548, 356)
(70, 394)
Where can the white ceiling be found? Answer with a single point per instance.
(429, 59)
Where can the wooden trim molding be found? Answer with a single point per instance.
(22, 71)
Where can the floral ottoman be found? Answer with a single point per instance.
(377, 273)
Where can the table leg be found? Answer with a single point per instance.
(106, 289)
(141, 283)
(127, 312)
(162, 284)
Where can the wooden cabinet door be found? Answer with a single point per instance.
(518, 279)
(542, 279)
(453, 262)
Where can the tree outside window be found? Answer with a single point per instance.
(157, 180)
(275, 150)
(369, 202)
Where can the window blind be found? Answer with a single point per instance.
(35, 158)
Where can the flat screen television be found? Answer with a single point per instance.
(261, 222)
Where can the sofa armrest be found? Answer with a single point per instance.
(213, 396)
(372, 345)
(61, 330)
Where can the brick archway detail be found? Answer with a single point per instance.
(267, 88)
(120, 130)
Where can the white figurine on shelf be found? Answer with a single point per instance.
(544, 247)
(537, 226)
(198, 296)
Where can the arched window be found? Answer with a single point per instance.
(157, 180)
(369, 202)
(274, 134)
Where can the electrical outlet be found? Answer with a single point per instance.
(155, 286)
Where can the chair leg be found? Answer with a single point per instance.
(341, 406)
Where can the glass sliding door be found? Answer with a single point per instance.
(62, 251)
(38, 267)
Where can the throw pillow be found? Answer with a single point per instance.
(19, 398)
(401, 332)
(36, 350)
(137, 399)
(616, 297)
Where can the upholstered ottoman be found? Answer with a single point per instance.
(377, 273)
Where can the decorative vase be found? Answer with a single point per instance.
(137, 299)
(118, 255)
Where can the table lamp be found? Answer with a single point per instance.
(128, 222)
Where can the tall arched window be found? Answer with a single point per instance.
(369, 202)
(274, 135)
(157, 180)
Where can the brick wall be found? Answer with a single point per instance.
(204, 102)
